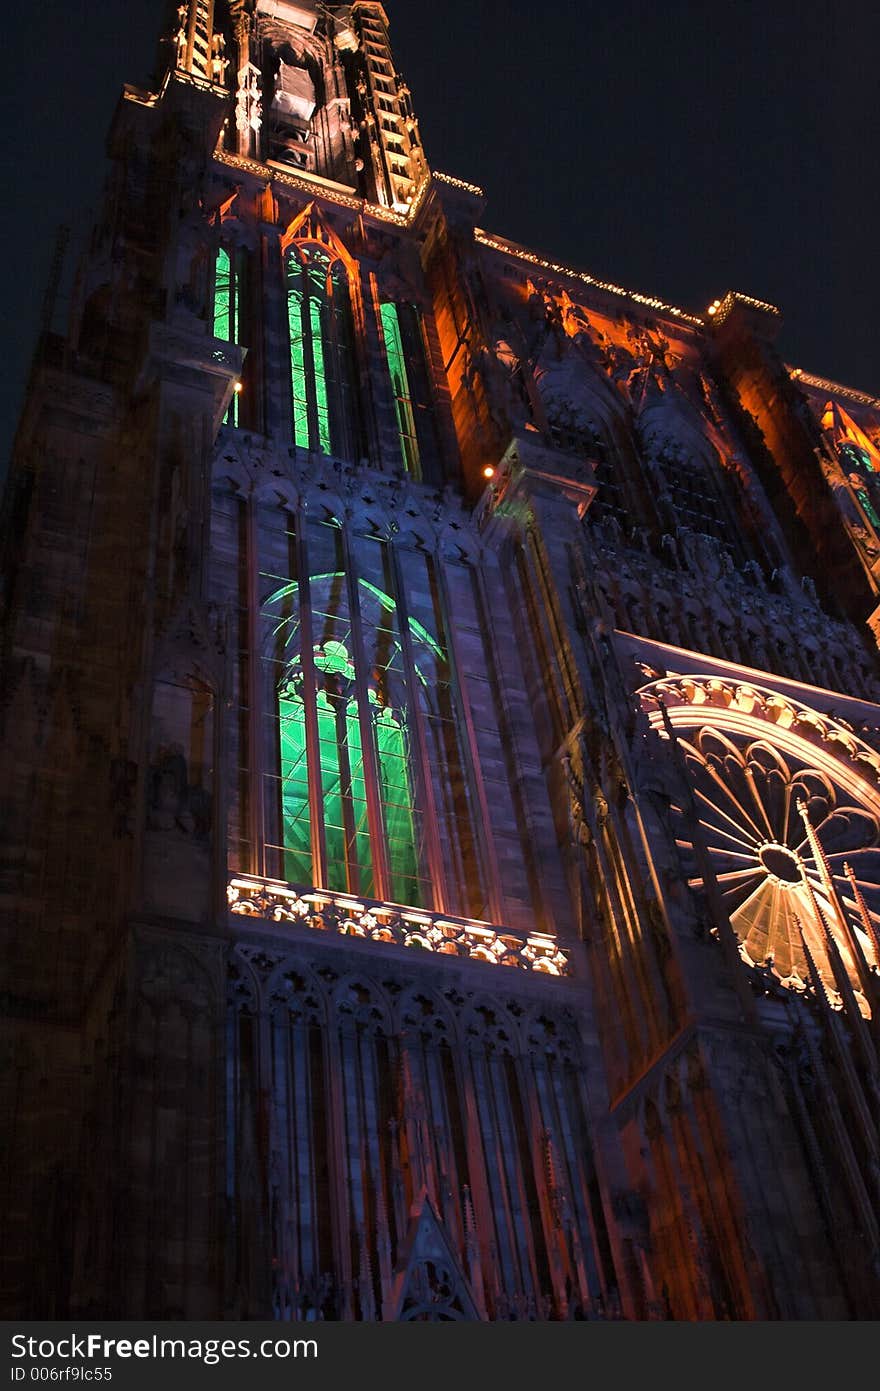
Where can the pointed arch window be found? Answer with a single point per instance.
(347, 807)
(586, 441)
(703, 497)
(228, 300)
(320, 333)
(342, 789)
(343, 793)
(403, 336)
(863, 477)
(403, 404)
(355, 746)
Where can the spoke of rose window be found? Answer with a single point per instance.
(792, 820)
(745, 822)
(714, 810)
(728, 854)
(714, 836)
(731, 875)
(749, 774)
(734, 798)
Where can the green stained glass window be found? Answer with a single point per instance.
(295, 789)
(331, 792)
(343, 792)
(227, 307)
(340, 780)
(406, 426)
(321, 408)
(868, 507)
(299, 390)
(854, 457)
(358, 830)
(397, 803)
(222, 296)
(325, 415)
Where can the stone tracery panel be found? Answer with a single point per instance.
(369, 1104)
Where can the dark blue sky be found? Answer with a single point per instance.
(677, 148)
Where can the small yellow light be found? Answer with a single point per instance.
(488, 471)
(238, 388)
(713, 309)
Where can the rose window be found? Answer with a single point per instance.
(788, 804)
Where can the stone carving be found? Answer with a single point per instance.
(176, 803)
(379, 922)
(249, 101)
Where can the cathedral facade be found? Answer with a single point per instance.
(441, 750)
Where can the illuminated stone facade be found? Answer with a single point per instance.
(441, 866)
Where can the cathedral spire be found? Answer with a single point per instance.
(390, 145)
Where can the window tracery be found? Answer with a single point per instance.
(790, 823)
(366, 738)
(228, 304)
(389, 317)
(320, 333)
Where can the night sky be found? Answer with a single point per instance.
(678, 148)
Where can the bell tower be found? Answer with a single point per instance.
(316, 90)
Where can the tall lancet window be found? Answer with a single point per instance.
(322, 376)
(228, 294)
(346, 814)
(403, 335)
(403, 402)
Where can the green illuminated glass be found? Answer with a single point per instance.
(331, 793)
(343, 790)
(222, 296)
(397, 804)
(299, 390)
(406, 426)
(341, 774)
(322, 409)
(295, 789)
(358, 830)
(227, 298)
(854, 457)
(868, 506)
(318, 314)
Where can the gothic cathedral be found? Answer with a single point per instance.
(441, 750)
